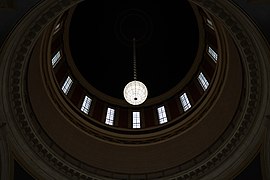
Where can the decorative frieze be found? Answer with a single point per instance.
(192, 169)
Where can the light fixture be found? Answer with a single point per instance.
(135, 92)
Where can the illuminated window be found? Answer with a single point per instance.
(109, 116)
(57, 27)
(86, 105)
(136, 123)
(162, 115)
(185, 102)
(209, 23)
(203, 81)
(56, 58)
(212, 54)
(67, 85)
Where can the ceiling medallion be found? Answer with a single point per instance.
(135, 92)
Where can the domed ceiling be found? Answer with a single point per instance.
(101, 34)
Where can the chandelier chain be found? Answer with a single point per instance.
(134, 60)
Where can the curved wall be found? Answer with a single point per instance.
(219, 144)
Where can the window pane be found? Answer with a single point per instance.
(203, 81)
(86, 105)
(162, 115)
(212, 54)
(66, 86)
(57, 27)
(56, 58)
(109, 116)
(209, 23)
(136, 120)
(185, 102)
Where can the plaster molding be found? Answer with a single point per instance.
(250, 113)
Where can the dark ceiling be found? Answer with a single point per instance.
(101, 34)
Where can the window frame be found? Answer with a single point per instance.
(136, 119)
(110, 115)
(212, 53)
(56, 58)
(203, 81)
(186, 105)
(67, 85)
(86, 104)
(162, 116)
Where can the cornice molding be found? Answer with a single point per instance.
(16, 57)
(152, 135)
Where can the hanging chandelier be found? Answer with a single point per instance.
(135, 92)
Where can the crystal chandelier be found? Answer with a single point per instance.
(135, 92)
